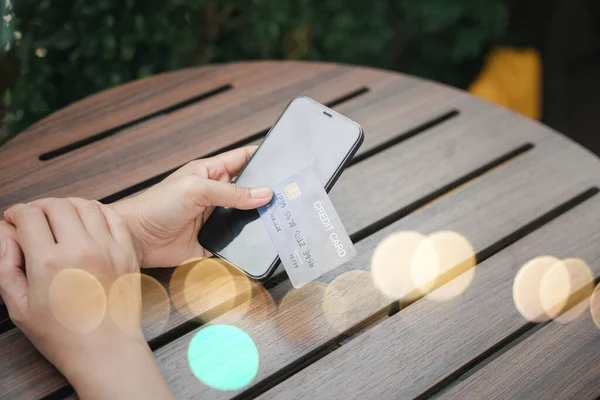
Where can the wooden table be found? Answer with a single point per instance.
(434, 159)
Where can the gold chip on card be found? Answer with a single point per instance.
(292, 191)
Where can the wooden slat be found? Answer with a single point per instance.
(459, 142)
(412, 351)
(557, 362)
(424, 164)
(206, 130)
(19, 354)
(412, 160)
(164, 143)
(247, 77)
(118, 106)
(396, 110)
(389, 112)
(491, 197)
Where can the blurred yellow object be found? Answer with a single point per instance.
(512, 78)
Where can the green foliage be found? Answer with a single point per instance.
(69, 49)
(6, 25)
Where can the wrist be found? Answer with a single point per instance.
(88, 358)
(122, 370)
(128, 211)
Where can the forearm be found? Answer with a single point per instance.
(127, 371)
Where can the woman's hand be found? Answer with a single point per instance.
(75, 252)
(165, 220)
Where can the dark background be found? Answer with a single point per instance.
(567, 33)
(58, 51)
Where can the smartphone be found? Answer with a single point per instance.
(306, 134)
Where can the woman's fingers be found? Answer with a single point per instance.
(220, 168)
(91, 216)
(116, 225)
(63, 219)
(232, 162)
(201, 193)
(13, 284)
(33, 230)
(123, 240)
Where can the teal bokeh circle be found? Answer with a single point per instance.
(223, 357)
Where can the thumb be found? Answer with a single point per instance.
(13, 284)
(206, 193)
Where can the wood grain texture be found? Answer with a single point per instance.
(412, 160)
(166, 142)
(385, 184)
(117, 106)
(557, 362)
(491, 198)
(379, 196)
(457, 142)
(429, 341)
(14, 351)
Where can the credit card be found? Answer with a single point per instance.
(305, 228)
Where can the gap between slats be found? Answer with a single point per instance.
(5, 322)
(322, 351)
(576, 356)
(167, 110)
(111, 132)
(254, 137)
(489, 355)
(405, 136)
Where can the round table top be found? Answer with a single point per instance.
(437, 165)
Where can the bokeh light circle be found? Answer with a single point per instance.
(443, 266)
(243, 289)
(526, 288)
(260, 307)
(176, 285)
(77, 300)
(300, 315)
(391, 263)
(207, 288)
(351, 298)
(565, 289)
(223, 357)
(135, 299)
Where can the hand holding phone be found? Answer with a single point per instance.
(165, 219)
(307, 134)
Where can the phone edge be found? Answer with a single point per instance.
(328, 186)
